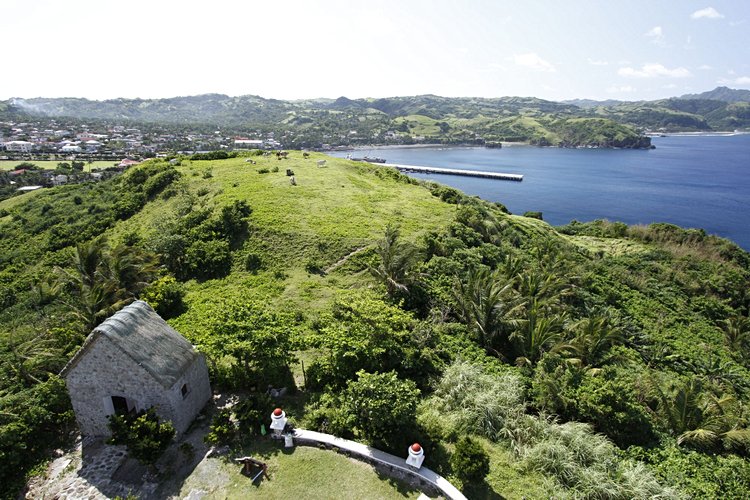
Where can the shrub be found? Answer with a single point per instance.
(381, 406)
(534, 215)
(252, 412)
(143, 434)
(314, 266)
(165, 296)
(471, 401)
(128, 204)
(222, 430)
(470, 463)
(156, 184)
(264, 170)
(208, 259)
(253, 262)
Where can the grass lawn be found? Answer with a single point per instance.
(297, 473)
(52, 164)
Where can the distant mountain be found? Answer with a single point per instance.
(722, 94)
(591, 103)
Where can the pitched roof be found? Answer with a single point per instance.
(147, 339)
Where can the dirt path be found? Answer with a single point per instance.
(343, 259)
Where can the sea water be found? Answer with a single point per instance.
(699, 181)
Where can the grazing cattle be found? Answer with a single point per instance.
(321, 163)
(305, 155)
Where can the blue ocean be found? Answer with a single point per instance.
(699, 181)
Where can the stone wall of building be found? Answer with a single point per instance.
(105, 371)
(198, 393)
(102, 372)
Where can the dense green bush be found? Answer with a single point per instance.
(253, 262)
(252, 412)
(208, 259)
(362, 332)
(214, 155)
(165, 295)
(144, 435)
(469, 462)
(381, 408)
(222, 430)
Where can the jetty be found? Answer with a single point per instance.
(456, 171)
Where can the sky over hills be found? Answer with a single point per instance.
(291, 49)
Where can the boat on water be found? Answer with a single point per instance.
(369, 159)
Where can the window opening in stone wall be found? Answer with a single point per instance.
(120, 405)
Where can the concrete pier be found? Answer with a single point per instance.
(455, 171)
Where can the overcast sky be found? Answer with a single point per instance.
(290, 49)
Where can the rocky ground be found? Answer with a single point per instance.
(95, 470)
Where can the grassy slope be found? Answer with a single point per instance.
(331, 212)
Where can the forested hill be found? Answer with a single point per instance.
(424, 118)
(721, 94)
(398, 120)
(593, 360)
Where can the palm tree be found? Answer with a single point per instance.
(543, 287)
(32, 355)
(700, 419)
(395, 263)
(737, 334)
(133, 269)
(539, 330)
(103, 281)
(488, 304)
(594, 336)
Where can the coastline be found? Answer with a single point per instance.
(715, 133)
(386, 147)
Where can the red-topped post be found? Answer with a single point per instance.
(416, 456)
(278, 421)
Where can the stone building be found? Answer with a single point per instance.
(133, 361)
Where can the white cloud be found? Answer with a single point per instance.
(653, 70)
(533, 61)
(705, 67)
(620, 89)
(707, 13)
(594, 62)
(656, 34)
(740, 80)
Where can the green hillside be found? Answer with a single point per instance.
(311, 123)
(394, 120)
(594, 360)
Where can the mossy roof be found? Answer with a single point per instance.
(142, 335)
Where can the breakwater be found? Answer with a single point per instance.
(455, 171)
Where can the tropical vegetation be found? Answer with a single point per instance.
(592, 360)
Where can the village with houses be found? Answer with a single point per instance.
(51, 140)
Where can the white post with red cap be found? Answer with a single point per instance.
(278, 421)
(416, 456)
